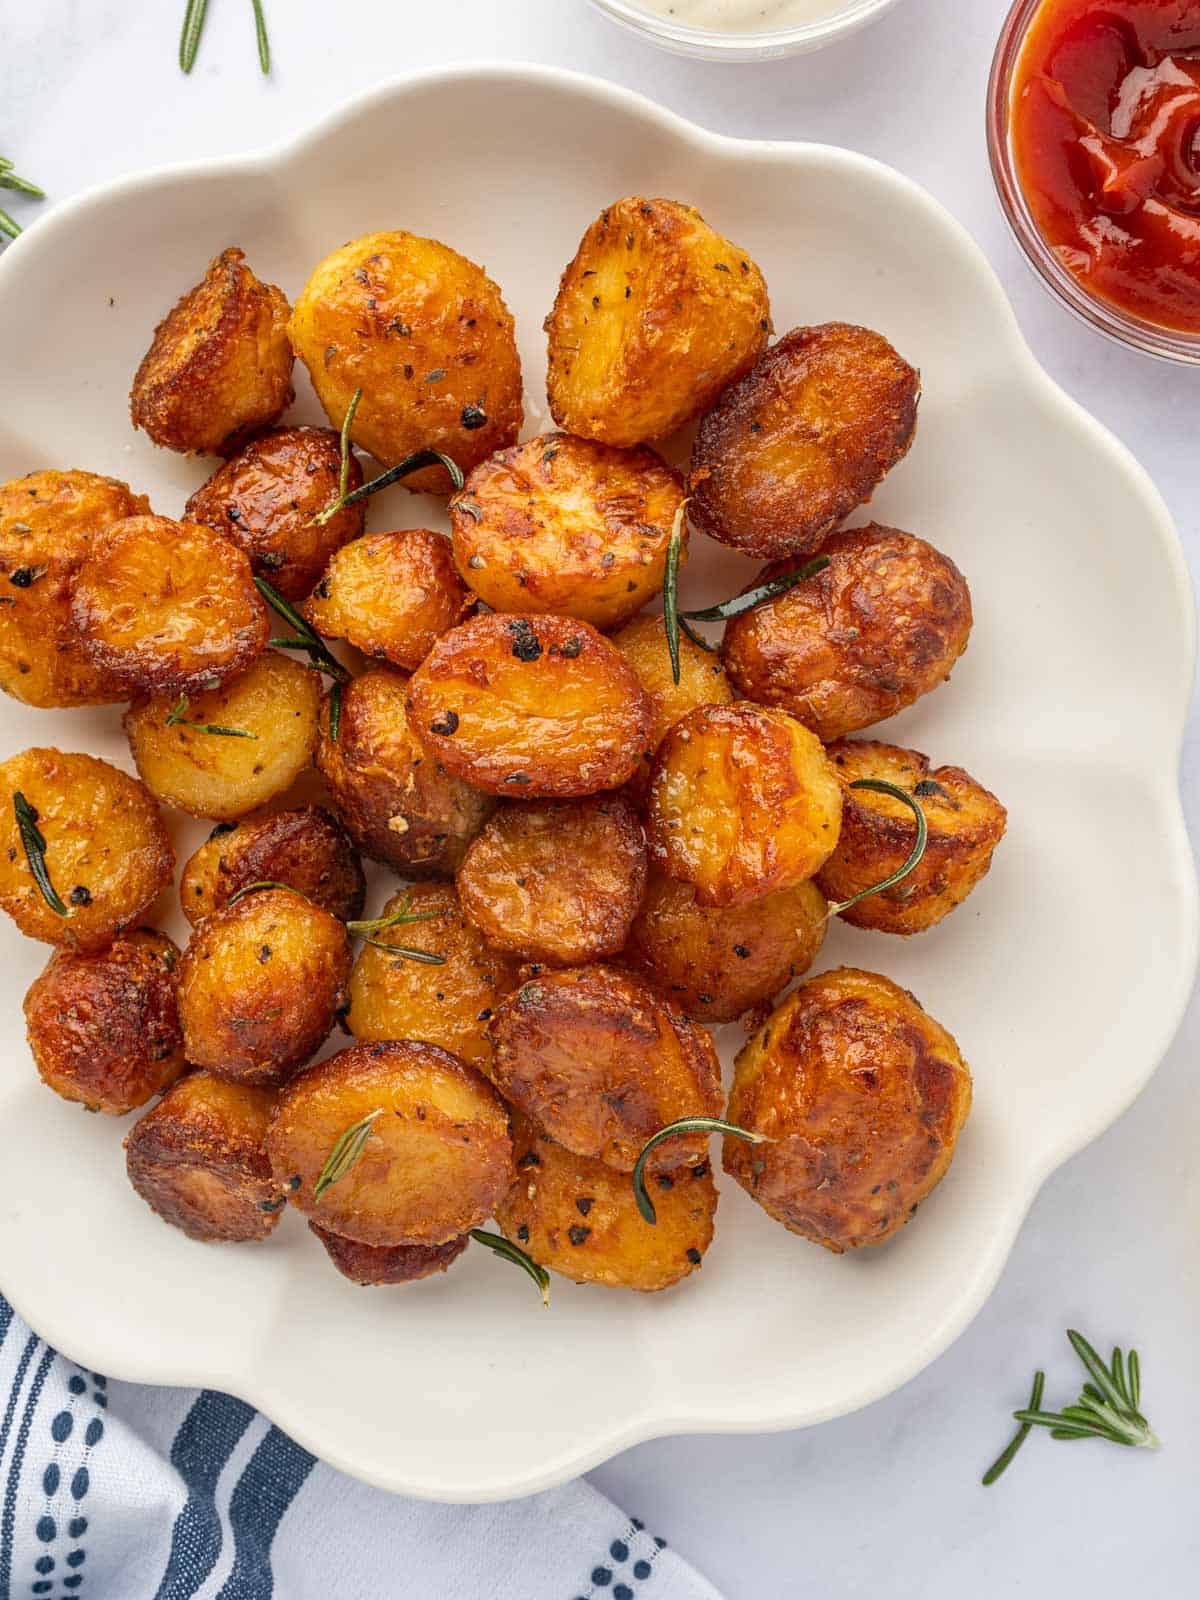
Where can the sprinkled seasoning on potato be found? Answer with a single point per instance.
(862, 1096)
(308, 849)
(371, 1264)
(702, 682)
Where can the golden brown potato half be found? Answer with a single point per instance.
(398, 802)
(369, 1264)
(718, 962)
(225, 776)
(530, 708)
(965, 824)
(602, 1063)
(261, 983)
(106, 850)
(436, 1161)
(103, 1028)
(654, 316)
(47, 522)
(266, 500)
(219, 366)
(392, 595)
(743, 802)
(881, 626)
(426, 336)
(309, 850)
(579, 1217)
(702, 682)
(802, 440)
(167, 607)
(566, 525)
(449, 1005)
(199, 1159)
(862, 1096)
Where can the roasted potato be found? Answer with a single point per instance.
(206, 774)
(219, 365)
(654, 316)
(47, 522)
(881, 626)
(965, 824)
(104, 1029)
(107, 853)
(718, 962)
(261, 983)
(558, 882)
(435, 1164)
(398, 802)
(392, 595)
(743, 802)
(862, 1096)
(579, 1217)
(309, 850)
(602, 1063)
(802, 440)
(702, 682)
(199, 1159)
(369, 1264)
(392, 997)
(426, 336)
(167, 607)
(566, 525)
(530, 707)
(266, 500)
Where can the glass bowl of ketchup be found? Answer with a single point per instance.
(1094, 136)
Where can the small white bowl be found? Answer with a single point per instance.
(713, 44)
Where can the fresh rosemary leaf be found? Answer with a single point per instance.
(878, 786)
(306, 637)
(345, 1153)
(367, 930)
(671, 619)
(417, 462)
(10, 228)
(35, 853)
(193, 27)
(1004, 1460)
(335, 712)
(265, 883)
(728, 609)
(685, 1125)
(428, 958)
(10, 180)
(264, 44)
(177, 717)
(512, 1252)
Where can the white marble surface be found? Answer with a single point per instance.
(888, 1498)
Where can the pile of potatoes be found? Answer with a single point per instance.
(601, 853)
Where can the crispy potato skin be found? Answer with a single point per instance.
(260, 986)
(863, 1096)
(219, 365)
(569, 526)
(601, 1062)
(104, 1029)
(742, 802)
(210, 775)
(965, 823)
(308, 849)
(167, 607)
(392, 595)
(579, 1217)
(530, 707)
(426, 336)
(654, 316)
(47, 521)
(399, 803)
(437, 1161)
(447, 1005)
(558, 882)
(880, 627)
(265, 500)
(107, 851)
(718, 962)
(370, 1264)
(199, 1159)
(702, 682)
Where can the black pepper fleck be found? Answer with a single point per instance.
(473, 417)
(446, 724)
(584, 1204)
(578, 1235)
(694, 1256)
(80, 896)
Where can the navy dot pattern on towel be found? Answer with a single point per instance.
(624, 1571)
(74, 1433)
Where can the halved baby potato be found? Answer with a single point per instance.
(370, 1264)
(654, 316)
(308, 850)
(702, 682)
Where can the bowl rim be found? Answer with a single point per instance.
(718, 44)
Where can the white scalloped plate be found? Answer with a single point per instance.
(1064, 977)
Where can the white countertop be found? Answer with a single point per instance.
(888, 1499)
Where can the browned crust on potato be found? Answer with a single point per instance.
(219, 365)
(862, 1096)
(307, 849)
(530, 707)
(802, 440)
(702, 682)
(372, 1264)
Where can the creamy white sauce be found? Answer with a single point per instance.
(743, 16)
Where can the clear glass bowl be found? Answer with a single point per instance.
(1150, 337)
(711, 44)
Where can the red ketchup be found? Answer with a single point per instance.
(1105, 131)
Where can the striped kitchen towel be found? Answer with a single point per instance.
(113, 1491)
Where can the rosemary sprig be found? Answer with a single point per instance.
(306, 636)
(1004, 1460)
(671, 588)
(878, 786)
(193, 26)
(512, 1252)
(177, 717)
(266, 883)
(10, 228)
(685, 1125)
(741, 603)
(417, 462)
(35, 853)
(358, 929)
(335, 712)
(346, 1151)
